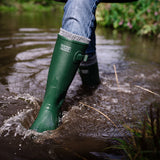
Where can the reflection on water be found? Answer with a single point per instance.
(26, 45)
(138, 48)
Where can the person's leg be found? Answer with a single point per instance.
(79, 17)
(88, 70)
(72, 41)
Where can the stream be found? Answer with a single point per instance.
(26, 44)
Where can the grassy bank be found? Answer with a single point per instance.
(142, 17)
(28, 6)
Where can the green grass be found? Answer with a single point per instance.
(144, 142)
(29, 7)
(4, 8)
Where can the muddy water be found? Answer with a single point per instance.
(26, 45)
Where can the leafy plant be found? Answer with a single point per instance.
(144, 140)
(142, 16)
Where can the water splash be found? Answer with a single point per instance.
(19, 123)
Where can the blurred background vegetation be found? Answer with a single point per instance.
(28, 5)
(12, 2)
(141, 17)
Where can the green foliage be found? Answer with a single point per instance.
(28, 5)
(144, 142)
(22, 1)
(4, 8)
(32, 7)
(6, 2)
(42, 2)
(7, 5)
(142, 16)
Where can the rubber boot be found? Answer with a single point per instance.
(89, 72)
(67, 55)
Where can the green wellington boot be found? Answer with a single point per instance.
(68, 53)
(89, 72)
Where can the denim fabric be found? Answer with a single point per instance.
(79, 18)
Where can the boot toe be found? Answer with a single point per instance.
(45, 121)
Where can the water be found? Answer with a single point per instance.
(26, 44)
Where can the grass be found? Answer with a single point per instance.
(100, 113)
(4, 8)
(144, 142)
(29, 7)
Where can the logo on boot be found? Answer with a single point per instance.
(65, 48)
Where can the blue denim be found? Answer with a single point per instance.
(79, 18)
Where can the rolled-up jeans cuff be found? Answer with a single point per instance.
(72, 36)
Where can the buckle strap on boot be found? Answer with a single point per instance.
(79, 57)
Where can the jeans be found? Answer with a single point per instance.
(79, 18)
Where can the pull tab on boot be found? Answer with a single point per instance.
(78, 57)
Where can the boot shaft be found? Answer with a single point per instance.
(67, 55)
(65, 61)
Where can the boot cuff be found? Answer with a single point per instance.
(72, 36)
